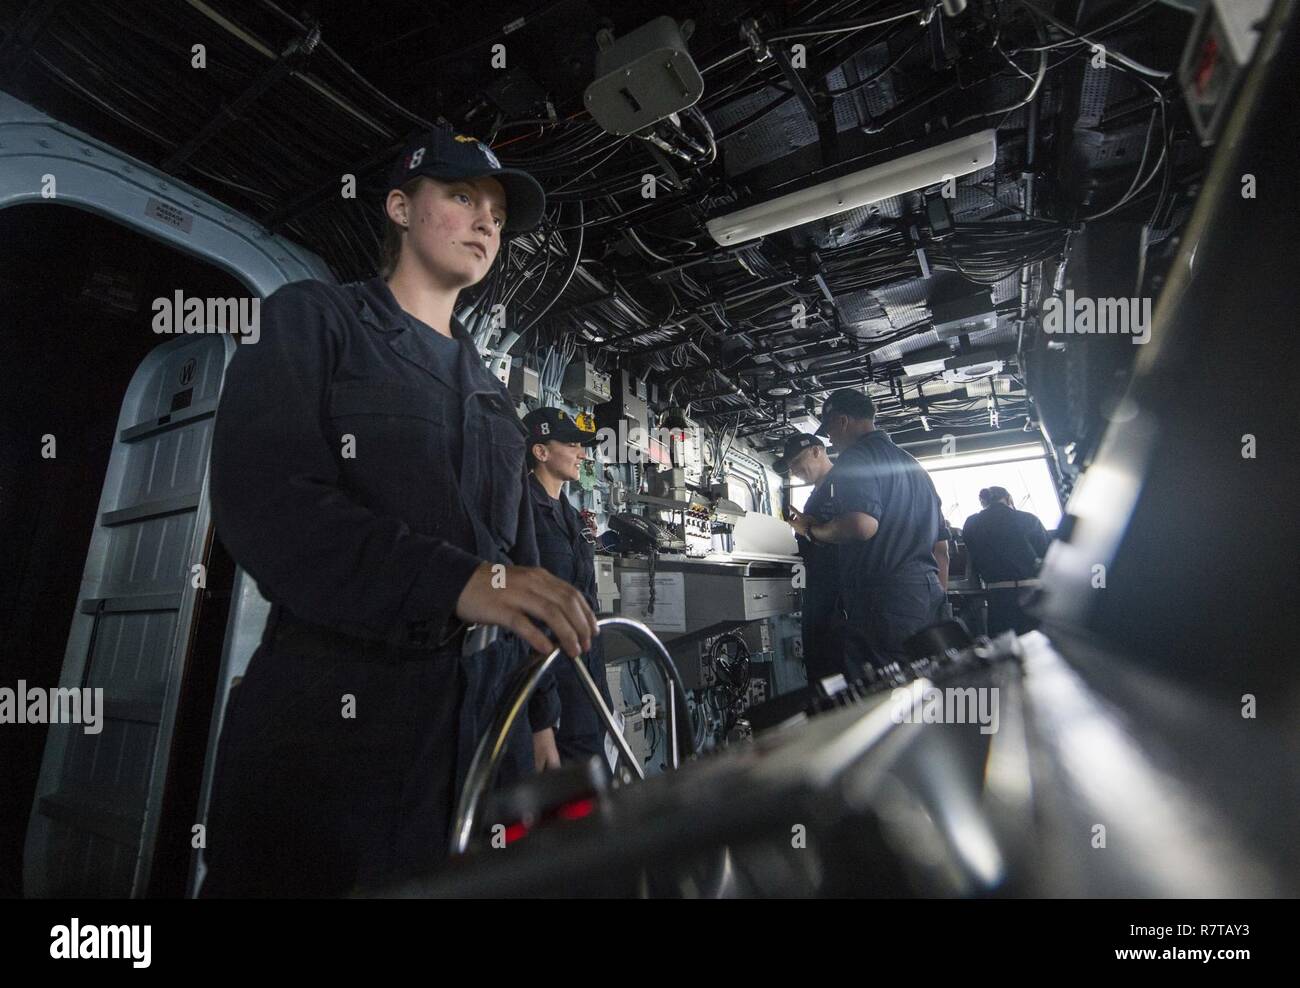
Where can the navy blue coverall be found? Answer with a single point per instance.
(821, 619)
(889, 584)
(363, 466)
(1005, 545)
(563, 552)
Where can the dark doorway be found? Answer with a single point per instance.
(77, 291)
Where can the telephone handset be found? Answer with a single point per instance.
(640, 534)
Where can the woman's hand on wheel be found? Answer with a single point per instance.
(510, 596)
(546, 754)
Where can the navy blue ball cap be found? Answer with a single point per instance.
(846, 401)
(795, 445)
(443, 154)
(555, 425)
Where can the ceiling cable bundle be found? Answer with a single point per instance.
(629, 270)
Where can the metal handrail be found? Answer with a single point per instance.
(487, 756)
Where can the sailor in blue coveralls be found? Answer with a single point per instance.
(369, 473)
(885, 524)
(556, 449)
(1005, 548)
(805, 457)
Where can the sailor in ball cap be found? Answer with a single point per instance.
(886, 526)
(805, 458)
(557, 447)
(368, 472)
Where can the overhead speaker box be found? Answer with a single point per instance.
(642, 78)
(973, 373)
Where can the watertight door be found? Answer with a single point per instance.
(95, 818)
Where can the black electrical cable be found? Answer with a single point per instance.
(1090, 39)
(879, 73)
(845, 27)
(568, 277)
(351, 73)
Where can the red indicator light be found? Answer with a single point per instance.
(1206, 64)
(577, 809)
(515, 831)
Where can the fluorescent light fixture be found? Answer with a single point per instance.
(957, 367)
(1007, 454)
(923, 367)
(884, 181)
(985, 386)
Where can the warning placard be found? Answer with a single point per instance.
(669, 604)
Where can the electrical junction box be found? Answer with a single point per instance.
(965, 314)
(659, 453)
(627, 414)
(628, 398)
(636, 387)
(758, 638)
(584, 385)
(524, 383)
(606, 585)
(688, 451)
(500, 368)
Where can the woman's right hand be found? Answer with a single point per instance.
(512, 595)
